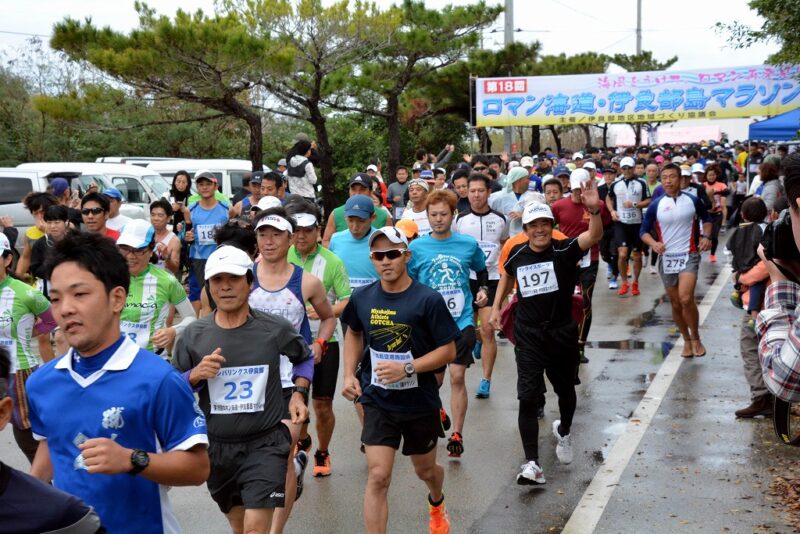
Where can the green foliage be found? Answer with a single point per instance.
(781, 23)
(642, 62)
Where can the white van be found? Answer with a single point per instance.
(141, 161)
(138, 185)
(229, 172)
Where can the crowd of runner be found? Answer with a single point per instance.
(197, 344)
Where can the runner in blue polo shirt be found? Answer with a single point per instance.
(352, 245)
(114, 421)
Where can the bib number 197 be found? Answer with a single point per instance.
(536, 279)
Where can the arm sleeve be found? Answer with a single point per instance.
(187, 312)
(649, 221)
(45, 324)
(779, 345)
(179, 423)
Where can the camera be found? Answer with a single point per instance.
(778, 240)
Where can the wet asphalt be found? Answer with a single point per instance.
(697, 469)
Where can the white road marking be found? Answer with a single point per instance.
(590, 508)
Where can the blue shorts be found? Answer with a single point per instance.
(194, 287)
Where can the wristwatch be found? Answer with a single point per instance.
(302, 390)
(410, 369)
(140, 460)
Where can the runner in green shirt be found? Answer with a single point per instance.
(20, 307)
(326, 266)
(152, 290)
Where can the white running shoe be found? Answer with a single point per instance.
(653, 269)
(531, 474)
(564, 446)
(612, 284)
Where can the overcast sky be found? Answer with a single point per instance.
(676, 27)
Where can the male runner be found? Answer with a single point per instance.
(443, 261)
(243, 206)
(136, 425)
(418, 189)
(360, 184)
(410, 334)
(547, 338)
(233, 357)
(674, 216)
(626, 198)
(490, 229)
(573, 218)
(94, 209)
(150, 293)
(282, 289)
(352, 245)
(325, 265)
(207, 214)
(608, 249)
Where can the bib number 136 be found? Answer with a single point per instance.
(536, 279)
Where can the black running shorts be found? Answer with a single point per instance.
(250, 473)
(492, 290)
(627, 236)
(325, 373)
(464, 345)
(419, 432)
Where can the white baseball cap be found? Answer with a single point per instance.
(536, 210)
(392, 234)
(372, 168)
(578, 177)
(698, 168)
(4, 244)
(577, 155)
(230, 260)
(627, 162)
(305, 220)
(590, 165)
(268, 202)
(275, 221)
(527, 161)
(686, 171)
(677, 159)
(136, 233)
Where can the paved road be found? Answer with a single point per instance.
(696, 468)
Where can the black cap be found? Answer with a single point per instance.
(256, 177)
(360, 179)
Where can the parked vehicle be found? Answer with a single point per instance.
(141, 161)
(229, 172)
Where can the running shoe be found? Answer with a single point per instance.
(439, 522)
(322, 464)
(484, 387)
(635, 289)
(455, 445)
(531, 474)
(300, 463)
(583, 358)
(564, 445)
(623, 289)
(712, 259)
(476, 350)
(612, 284)
(303, 445)
(653, 269)
(445, 419)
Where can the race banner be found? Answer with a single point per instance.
(637, 96)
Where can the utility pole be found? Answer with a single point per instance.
(638, 27)
(508, 132)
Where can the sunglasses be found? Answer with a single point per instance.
(479, 169)
(392, 254)
(93, 211)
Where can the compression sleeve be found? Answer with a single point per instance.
(187, 312)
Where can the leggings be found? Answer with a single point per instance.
(26, 442)
(716, 224)
(587, 278)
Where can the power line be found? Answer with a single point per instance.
(24, 33)
(587, 15)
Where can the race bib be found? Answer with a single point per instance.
(138, 332)
(537, 279)
(205, 234)
(377, 357)
(454, 298)
(629, 215)
(11, 345)
(398, 213)
(487, 247)
(358, 282)
(238, 389)
(586, 260)
(674, 262)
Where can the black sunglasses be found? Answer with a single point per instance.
(93, 211)
(392, 254)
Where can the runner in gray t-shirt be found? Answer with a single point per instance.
(397, 191)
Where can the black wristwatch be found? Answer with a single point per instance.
(140, 460)
(302, 390)
(409, 369)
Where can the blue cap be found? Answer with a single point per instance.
(360, 206)
(426, 175)
(58, 186)
(137, 233)
(561, 169)
(113, 192)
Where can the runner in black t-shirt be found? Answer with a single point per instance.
(545, 272)
(400, 331)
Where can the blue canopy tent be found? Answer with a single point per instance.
(781, 127)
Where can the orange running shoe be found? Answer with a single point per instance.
(713, 259)
(322, 464)
(439, 519)
(623, 289)
(635, 289)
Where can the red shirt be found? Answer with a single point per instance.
(113, 234)
(573, 219)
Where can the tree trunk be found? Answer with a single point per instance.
(536, 143)
(256, 146)
(605, 135)
(393, 135)
(556, 138)
(325, 152)
(587, 134)
(484, 141)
